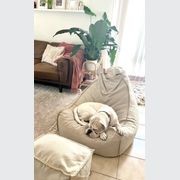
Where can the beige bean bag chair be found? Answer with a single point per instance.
(111, 88)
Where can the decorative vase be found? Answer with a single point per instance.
(49, 4)
(91, 65)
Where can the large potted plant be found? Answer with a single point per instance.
(98, 38)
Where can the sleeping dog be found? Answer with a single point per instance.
(97, 117)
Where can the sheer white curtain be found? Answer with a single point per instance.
(129, 18)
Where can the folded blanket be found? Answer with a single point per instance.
(77, 60)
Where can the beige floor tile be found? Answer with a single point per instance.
(141, 132)
(130, 168)
(137, 149)
(141, 110)
(97, 176)
(107, 166)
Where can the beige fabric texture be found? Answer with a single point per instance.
(59, 158)
(51, 54)
(112, 88)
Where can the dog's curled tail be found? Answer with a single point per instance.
(76, 117)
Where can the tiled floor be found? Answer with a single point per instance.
(130, 165)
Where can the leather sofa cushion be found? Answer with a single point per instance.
(39, 47)
(45, 71)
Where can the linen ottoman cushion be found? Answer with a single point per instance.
(57, 158)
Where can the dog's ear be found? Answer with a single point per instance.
(103, 128)
(104, 124)
(91, 118)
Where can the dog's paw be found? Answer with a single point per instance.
(120, 131)
(103, 136)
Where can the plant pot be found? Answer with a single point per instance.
(91, 65)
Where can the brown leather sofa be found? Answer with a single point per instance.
(60, 75)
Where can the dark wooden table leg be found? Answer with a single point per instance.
(60, 88)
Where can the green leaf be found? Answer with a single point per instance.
(114, 28)
(83, 38)
(78, 29)
(62, 31)
(98, 33)
(83, 35)
(88, 11)
(112, 55)
(112, 44)
(75, 49)
(71, 30)
(111, 39)
(105, 18)
(92, 53)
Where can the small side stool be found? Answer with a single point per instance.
(58, 158)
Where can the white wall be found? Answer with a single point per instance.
(47, 23)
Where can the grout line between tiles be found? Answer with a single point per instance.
(140, 139)
(117, 167)
(134, 157)
(103, 174)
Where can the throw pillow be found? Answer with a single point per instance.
(68, 47)
(52, 53)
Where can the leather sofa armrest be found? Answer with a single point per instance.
(36, 61)
(65, 69)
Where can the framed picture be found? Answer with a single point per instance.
(35, 4)
(73, 4)
(41, 4)
(60, 4)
